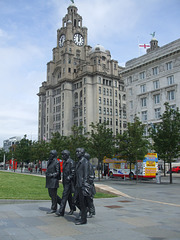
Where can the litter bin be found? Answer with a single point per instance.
(158, 177)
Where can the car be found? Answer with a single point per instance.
(175, 169)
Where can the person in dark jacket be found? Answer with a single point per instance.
(68, 184)
(53, 175)
(81, 184)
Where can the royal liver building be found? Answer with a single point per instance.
(83, 84)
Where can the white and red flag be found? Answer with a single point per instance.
(144, 46)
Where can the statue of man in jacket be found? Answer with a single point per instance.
(81, 184)
(53, 175)
(68, 184)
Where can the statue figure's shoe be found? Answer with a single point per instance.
(80, 223)
(51, 211)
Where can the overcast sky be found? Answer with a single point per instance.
(28, 31)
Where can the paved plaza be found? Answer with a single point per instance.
(143, 211)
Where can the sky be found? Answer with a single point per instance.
(28, 33)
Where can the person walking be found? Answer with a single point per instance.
(53, 175)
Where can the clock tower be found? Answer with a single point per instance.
(71, 94)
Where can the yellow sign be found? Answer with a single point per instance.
(150, 163)
(150, 171)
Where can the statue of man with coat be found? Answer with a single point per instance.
(68, 184)
(82, 185)
(53, 175)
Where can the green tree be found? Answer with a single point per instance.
(132, 144)
(76, 140)
(41, 151)
(58, 143)
(22, 152)
(166, 136)
(101, 143)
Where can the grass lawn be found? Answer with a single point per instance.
(22, 186)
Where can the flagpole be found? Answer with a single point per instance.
(138, 48)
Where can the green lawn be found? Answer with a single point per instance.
(21, 186)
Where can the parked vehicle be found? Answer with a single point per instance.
(147, 168)
(174, 169)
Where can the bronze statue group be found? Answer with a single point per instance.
(78, 185)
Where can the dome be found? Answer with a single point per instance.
(98, 48)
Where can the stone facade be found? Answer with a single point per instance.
(83, 84)
(151, 80)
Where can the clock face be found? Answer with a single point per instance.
(61, 40)
(78, 39)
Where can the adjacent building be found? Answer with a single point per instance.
(83, 84)
(10, 143)
(151, 80)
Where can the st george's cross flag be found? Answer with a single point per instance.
(144, 46)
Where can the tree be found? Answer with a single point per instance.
(58, 143)
(166, 136)
(77, 140)
(41, 151)
(101, 143)
(132, 144)
(22, 152)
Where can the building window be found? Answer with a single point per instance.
(100, 111)
(99, 80)
(116, 103)
(169, 65)
(99, 100)
(129, 79)
(170, 80)
(143, 102)
(111, 111)
(110, 92)
(157, 113)
(156, 84)
(157, 98)
(155, 71)
(115, 93)
(144, 115)
(130, 92)
(104, 111)
(107, 92)
(143, 88)
(171, 95)
(99, 90)
(116, 122)
(110, 102)
(107, 111)
(100, 120)
(131, 104)
(104, 101)
(116, 112)
(104, 91)
(173, 106)
(107, 101)
(142, 75)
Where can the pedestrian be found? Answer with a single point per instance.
(68, 184)
(53, 175)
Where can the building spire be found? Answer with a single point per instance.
(72, 1)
